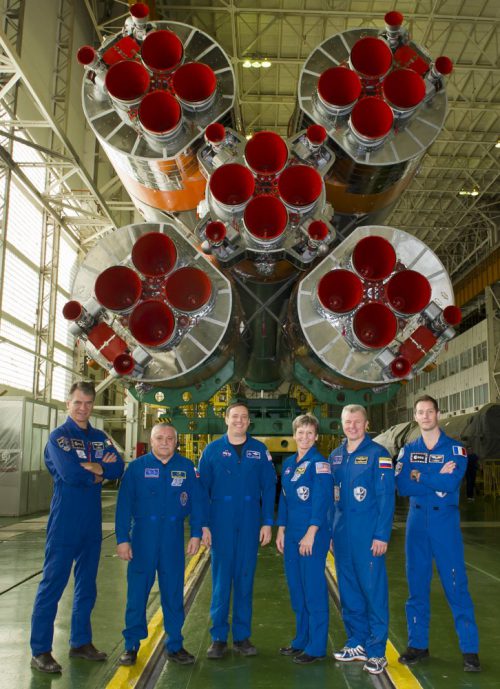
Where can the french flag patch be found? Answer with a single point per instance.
(459, 450)
(384, 463)
(323, 468)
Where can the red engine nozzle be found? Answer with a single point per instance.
(154, 254)
(318, 231)
(373, 258)
(316, 134)
(300, 186)
(371, 119)
(162, 51)
(404, 89)
(140, 10)
(393, 19)
(195, 84)
(86, 55)
(266, 153)
(371, 58)
(443, 65)
(160, 114)
(215, 133)
(232, 185)
(338, 89)
(374, 325)
(152, 323)
(408, 292)
(452, 315)
(72, 310)
(215, 232)
(127, 82)
(118, 288)
(340, 291)
(124, 364)
(400, 367)
(266, 218)
(188, 289)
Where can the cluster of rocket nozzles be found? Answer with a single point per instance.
(145, 75)
(375, 295)
(269, 193)
(155, 298)
(385, 80)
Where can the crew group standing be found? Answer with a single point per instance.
(430, 470)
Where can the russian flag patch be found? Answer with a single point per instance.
(459, 450)
(384, 463)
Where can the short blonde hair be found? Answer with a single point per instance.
(354, 409)
(305, 420)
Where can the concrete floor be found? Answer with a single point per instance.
(21, 557)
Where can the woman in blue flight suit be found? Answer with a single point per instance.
(304, 537)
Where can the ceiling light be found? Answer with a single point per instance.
(247, 64)
(248, 136)
(468, 192)
(267, 63)
(497, 145)
(256, 64)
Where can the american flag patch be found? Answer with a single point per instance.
(459, 450)
(384, 463)
(323, 468)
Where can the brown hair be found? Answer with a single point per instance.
(426, 398)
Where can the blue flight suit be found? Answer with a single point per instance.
(74, 531)
(234, 489)
(364, 497)
(305, 500)
(153, 501)
(433, 531)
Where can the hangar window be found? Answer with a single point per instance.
(455, 401)
(465, 359)
(443, 404)
(467, 398)
(453, 365)
(481, 395)
(480, 353)
(443, 370)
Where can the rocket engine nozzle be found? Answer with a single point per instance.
(188, 289)
(215, 232)
(374, 325)
(232, 186)
(154, 255)
(124, 364)
(300, 187)
(340, 291)
(215, 133)
(87, 56)
(127, 82)
(400, 367)
(371, 58)
(152, 323)
(371, 120)
(316, 135)
(195, 85)
(408, 292)
(452, 315)
(118, 289)
(265, 219)
(266, 154)
(373, 258)
(162, 52)
(160, 115)
(404, 90)
(338, 90)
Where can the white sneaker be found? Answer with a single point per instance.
(346, 654)
(375, 665)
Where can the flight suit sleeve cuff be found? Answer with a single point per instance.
(268, 522)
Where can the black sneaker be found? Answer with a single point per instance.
(181, 656)
(305, 659)
(216, 650)
(290, 651)
(245, 647)
(128, 658)
(412, 655)
(471, 662)
(44, 662)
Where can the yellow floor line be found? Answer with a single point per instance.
(128, 677)
(401, 675)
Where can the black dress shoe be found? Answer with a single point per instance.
(290, 651)
(305, 659)
(412, 655)
(244, 647)
(128, 658)
(181, 656)
(216, 650)
(471, 662)
(45, 663)
(87, 652)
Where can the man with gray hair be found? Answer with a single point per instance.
(157, 493)
(364, 499)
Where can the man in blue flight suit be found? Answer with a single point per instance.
(156, 494)
(364, 499)
(237, 476)
(79, 457)
(304, 538)
(430, 470)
